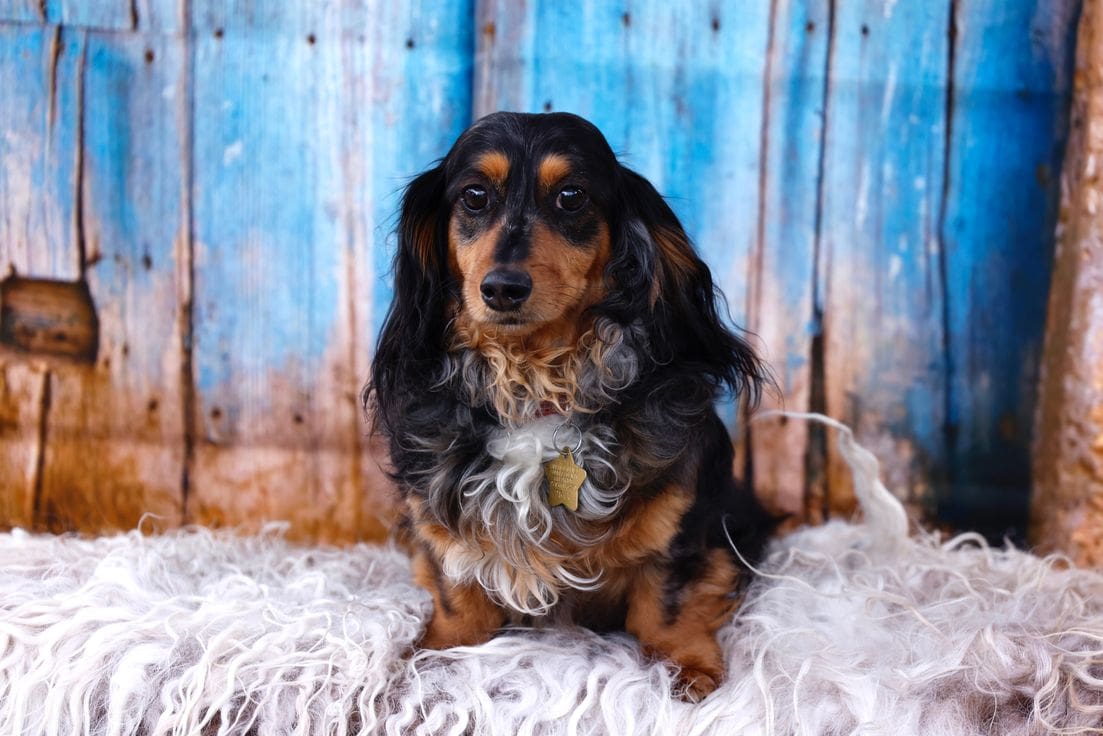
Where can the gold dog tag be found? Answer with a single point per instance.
(565, 477)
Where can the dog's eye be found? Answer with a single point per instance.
(571, 199)
(475, 198)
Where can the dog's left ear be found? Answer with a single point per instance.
(660, 273)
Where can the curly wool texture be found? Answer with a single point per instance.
(849, 628)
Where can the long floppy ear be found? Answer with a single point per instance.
(413, 332)
(661, 275)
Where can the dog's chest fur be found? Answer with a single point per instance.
(510, 541)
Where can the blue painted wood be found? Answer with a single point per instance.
(21, 11)
(116, 429)
(1012, 80)
(121, 15)
(39, 130)
(296, 165)
(782, 274)
(677, 90)
(883, 290)
(309, 117)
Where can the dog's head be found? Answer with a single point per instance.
(528, 230)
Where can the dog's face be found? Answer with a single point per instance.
(528, 234)
(524, 237)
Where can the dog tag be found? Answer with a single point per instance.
(565, 477)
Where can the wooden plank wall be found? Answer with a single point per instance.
(874, 183)
(1067, 507)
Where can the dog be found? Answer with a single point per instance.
(546, 380)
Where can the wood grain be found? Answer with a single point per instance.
(1067, 506)
(23, 396)
(288, 285)
(882, 288)
(1000, 214)
(115, 429)
(781, 278)
(39, 161)
(21, 11)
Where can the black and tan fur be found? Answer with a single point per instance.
(619, 335)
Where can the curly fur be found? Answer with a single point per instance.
(195, 632)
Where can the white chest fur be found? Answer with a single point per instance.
(505, 507)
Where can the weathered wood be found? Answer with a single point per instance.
(48, 317)
(284, 308)
(39, 164)
(115, 432)
(880, 261)
(21, 11)
(23, 396)
(1067, 506)
(356, 18)
(1011, 80)
(118, 15)
(39, 144)
(782, 269)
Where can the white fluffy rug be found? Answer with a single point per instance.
(849, 629)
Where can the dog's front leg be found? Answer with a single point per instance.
(679, 625)
(462, 614)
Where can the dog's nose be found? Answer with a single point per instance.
(506, 289)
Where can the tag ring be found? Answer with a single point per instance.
(555, 436)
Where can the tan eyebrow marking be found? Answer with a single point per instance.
(553, 168)
(495, 165)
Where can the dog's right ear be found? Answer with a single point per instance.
(412, 337)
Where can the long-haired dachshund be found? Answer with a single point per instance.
(546, 379)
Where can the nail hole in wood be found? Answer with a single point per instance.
(715, 24)
(218, 33)
(626, 19)
(216, 413)
(409, 43)
(547, 106)
(149, 56)
(311, 39)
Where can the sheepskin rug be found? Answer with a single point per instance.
(848, 629)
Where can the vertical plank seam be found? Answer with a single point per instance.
(187, 304)
(476, 41)
(816, 453)
(754, 277)
(754, 294)
(78, 204)
(949, 429)
(55, 55)
(37, 493)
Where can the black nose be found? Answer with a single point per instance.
(506, 289)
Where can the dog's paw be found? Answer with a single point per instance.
(694, 684)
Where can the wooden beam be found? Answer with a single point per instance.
(1012, 81)
(115, 440)
(292, 278)
(781, 276)
(881, 289)
(1067, 506)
